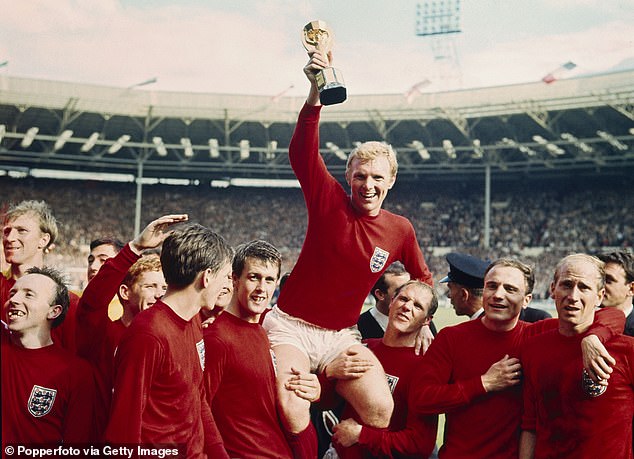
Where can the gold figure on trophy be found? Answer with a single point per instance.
(317, 36)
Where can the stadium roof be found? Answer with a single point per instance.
(581, 125)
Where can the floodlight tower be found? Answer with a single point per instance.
(440, 20)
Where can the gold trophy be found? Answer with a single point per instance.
(317, 36)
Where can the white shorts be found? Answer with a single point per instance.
(320, 345)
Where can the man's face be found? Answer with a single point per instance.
(454, 293)
(216, 283)
(254, 288)
(618, 292)
(576, 292)
(148, 288)
(29, 304)
(392, 281)
(504, 294)
(98, 256)
(22, 240)
(408, 310)
(224, 298)
(369, 183)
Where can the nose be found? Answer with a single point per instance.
(10, 234)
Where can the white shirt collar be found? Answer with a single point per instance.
(477, 314)
(379, 317)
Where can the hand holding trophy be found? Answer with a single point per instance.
(316, 36)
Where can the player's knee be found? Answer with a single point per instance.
(379, 413)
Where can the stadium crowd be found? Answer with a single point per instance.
(553, 219)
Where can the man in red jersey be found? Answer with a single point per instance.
(101, 250)
(28, 234)
(139, 283)
(349, 242)
(158, 396)
(48, 394)
(248, 421)
(472, 372)
(565, 414)
(413, 306)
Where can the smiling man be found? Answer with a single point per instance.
(48, 394)
(349, 242)
(238, 357)
(29, 233)
(472, 371)
(565, 415)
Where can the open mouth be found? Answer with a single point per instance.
(14, 314)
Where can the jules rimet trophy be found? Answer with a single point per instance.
(317, 36)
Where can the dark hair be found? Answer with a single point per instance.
(396, 269)
(526, 270)
(622, 258)
(260, 250)
(433, 303)
(61, 296)
(112, 241)
(190, 250)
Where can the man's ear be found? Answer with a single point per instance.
(392, 182)
(124, 292)
(45, 238)
(54, 311)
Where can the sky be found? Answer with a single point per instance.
(254, 47)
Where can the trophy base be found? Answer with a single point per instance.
(331, 86)
(333, 95)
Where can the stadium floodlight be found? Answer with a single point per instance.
(214, 151)
(118, 144)
(577, 143)
(478, 151)
(449, 148)
(270, 151)
(29, 137)
(3, 130)
(62, 139)
(523, 148)
(631, 131)
(437, 17)
(92, 140)
(550, 147)
(339, 153)
(245, 149)
(160, 146)
(187, 147)
(616, 143)
(420, 148)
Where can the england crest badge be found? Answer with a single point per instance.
(41, 400)
(200, 349)
(378, 260)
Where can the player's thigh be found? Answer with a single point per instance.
(295, 410)
(370, 394)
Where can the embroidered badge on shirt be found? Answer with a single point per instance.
(41, 400)
(378, 260)
(392, 381)
(200, 347)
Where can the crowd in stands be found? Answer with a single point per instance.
(544, 216)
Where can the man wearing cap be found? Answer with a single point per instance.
(465, 281)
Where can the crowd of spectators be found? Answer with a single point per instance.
(538, 222)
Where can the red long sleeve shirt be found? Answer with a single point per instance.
(343, 250)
